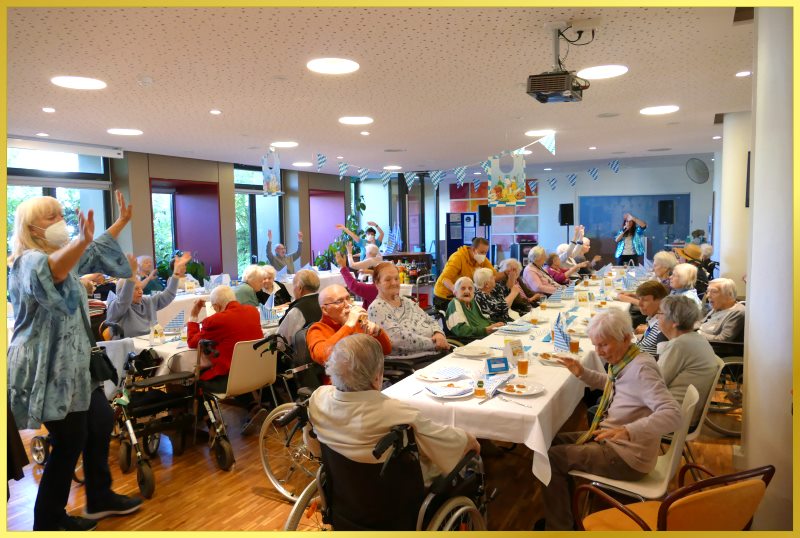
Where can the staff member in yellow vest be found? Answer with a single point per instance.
(463, 262)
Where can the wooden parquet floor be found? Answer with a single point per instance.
(193, 494)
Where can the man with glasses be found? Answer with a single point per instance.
(340, 318)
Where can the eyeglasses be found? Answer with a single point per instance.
(340, 302)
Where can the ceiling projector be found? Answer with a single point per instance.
(556, 87)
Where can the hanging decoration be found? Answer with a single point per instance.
(573, 179)
(595, 173)
(552, 182)
(321, 160)
(363, 173)
(549, 143)
(476, 183)
(532, 184)
(343, 170)
(386, 176)
(271, 172)
(460, 172)
(614, 165)
(507, 189)
(436, 177)
(486, 165)
(411, 178)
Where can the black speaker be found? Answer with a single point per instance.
(566, 215)
(666, 211)
(484, 215)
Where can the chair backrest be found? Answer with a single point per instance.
(312, 377)
(250, 370)
(675, 450)
(728, 506)
(711, 390)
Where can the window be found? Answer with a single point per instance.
(163, 225)
(247, 175)
(244, 249)
(256, 214)
(35, 162)
(16, 194)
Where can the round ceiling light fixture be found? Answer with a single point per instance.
(476, 173)
(741, 74)
(302, 164)
(285, 144)
(124, 132)
(43, 135)
(659, 110)
(355, 120)
(600, 72)
(332, 66)
(78, 83)
(392, 167)
(48, 109)
(215, 112)
(540, 132)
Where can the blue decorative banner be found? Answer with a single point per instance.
(342, 170)
(436, 177)
(561, 341)
(386, 176)
(363, 173)
(321, 160)
(460, 172)
(549, 143)
(572, 178)
(532, 184)
(411, 178)
(476, 183)
(595, 173)
(614, 165)
(552, 182)
(486, 165)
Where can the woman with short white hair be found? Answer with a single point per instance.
(663, 264)
(271, 286)
(535, 277)
(252, 281)
(371, 258)
(682, 282)
(490, 297)
(464, 316)
(525, 298)
(725, 321)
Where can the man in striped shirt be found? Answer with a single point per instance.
(648, 334)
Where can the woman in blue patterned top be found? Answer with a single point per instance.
(629, 240)
(48, 356)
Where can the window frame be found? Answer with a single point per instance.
(49, 174)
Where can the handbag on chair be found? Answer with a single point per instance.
(100, 367)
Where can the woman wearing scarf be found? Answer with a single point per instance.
(635, 411)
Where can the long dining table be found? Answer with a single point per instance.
(531, 420)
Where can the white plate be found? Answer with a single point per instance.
(472, 351)
(456, 385)
(447, 374)
(553, 306)
(515, 329)
(521, 388)
(552, 361)
(580, 333)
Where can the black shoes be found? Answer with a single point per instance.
(76, 523)
(113, 505)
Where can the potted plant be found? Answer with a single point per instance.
(195, 268)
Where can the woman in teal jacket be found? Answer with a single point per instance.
(629, 240)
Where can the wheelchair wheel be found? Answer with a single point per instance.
(306, 513)
(457, 514)
(223, 454)
(40, 449)
(77, 474)
(151, 444)
(145, 479)
(725, 410)
(290, 467)
(124, 455)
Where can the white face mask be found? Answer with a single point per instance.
(480, 258)
(56, 234)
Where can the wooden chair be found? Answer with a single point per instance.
(721, 503)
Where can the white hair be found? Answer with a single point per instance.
(612, 323)
(269, 271)
(482, 276)
(222, 295)
(308, 279)
(680, 310)
(726, 286)
(561, 249)
(354, 363)
(586, 241)
(706, 250)
(665, 259)
(28, 212)
(686, 273)
(252, 272)
(510, 263)
(143, 258)
(536, 252)
(372, 249)
(460, 282)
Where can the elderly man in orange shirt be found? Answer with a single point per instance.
(340, 318)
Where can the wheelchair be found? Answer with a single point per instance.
(347, 495)
(725, 410)
(40, 453)
(145, 406)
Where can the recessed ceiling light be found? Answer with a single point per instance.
(332, 66)
(712, 159)
(716, 137)
(592, 147)
(124, 132)
(215, 112)
(743, 74)
(355, 120)
(284, 144)
(525, 152)
(301, 164)
(541, 132)
(392, 167)
(78, 83)
(365, 133)
(42, 134)
(602, 71)
(547, 169)
(476, 173)
(658, 110)
(48, 109)
(339, 157)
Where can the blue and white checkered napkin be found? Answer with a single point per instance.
(562, 338)
(573, 309)
(558, 320)
(501, 348)
(176, 324)
(629, 282)
(570, 319)
(268, 314)
(493, 383)
(569, 293)
(449, 392)
(447, 372)
(556, 296)
(604, 270)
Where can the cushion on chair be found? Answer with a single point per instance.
(726, 508)
(614, 520)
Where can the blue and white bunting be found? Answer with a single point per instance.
(532, 184)
(549, 143)
(176, 324)
(573, 179)
(595, 173)
(460, 172)
(321, 160)
(386, 176)
(614, 165)
(436, 177)
(561, 341)
(411, 178)
(363, 173)
(552, 182)
(343, 170)
(486, 165)
(476, 183)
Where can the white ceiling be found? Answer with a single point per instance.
(445, 85)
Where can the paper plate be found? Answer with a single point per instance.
(447, 373)
(451, 390)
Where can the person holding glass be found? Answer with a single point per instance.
(48, 357)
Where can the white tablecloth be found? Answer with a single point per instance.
(326, 278)
(504, 421)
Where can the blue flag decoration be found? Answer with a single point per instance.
(561, 342)
(436, 177)
(532, 184)
(552, 182)
(595, 173)
(549, 143)
(628, 282)
(363, 173)
(321, 160)
(648, 265)
(486, 165)
(476, 183)
(555, 297)
(460, 172)
(573, 179)
(343, 169)
(411, 178)
(176, 324)
(282, 273)
(386, 176)
(614, 165)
